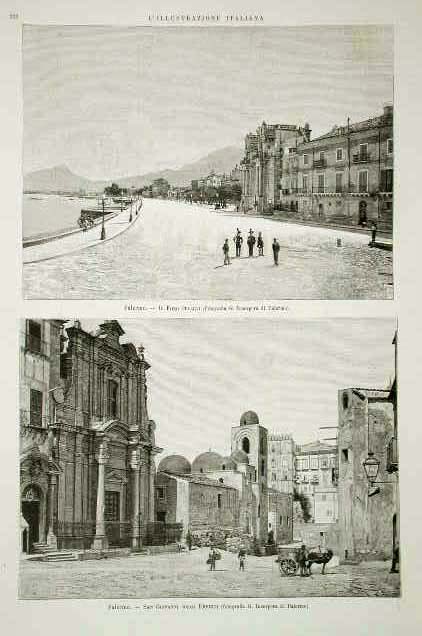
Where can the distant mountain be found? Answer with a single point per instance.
(60, 178)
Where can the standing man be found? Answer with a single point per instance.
(238, 240)
(212, 558)
(373, 233)
(251, 242)
(276, 250)
(260, 244)
(226, 252)
(242, 558)
(302, 557)
(189, 540)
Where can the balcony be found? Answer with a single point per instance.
(33, 419)
(320, 163)
(392, 456)
(362, 157)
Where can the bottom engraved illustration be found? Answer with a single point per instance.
(208, 458)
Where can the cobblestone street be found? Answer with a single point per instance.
(174, 252)
(187, 575)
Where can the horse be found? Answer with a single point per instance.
(320, 558)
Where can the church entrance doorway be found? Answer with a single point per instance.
(31, 501)
(112, 517)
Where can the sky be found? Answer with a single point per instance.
(111, 102)
(206, 372)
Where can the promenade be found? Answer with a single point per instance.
(74, 241)
(175, 252)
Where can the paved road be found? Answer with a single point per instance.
(175, 252)
(187, 575)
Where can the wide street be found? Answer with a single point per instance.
(187, 575)
(174, 252)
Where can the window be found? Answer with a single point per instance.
(273, 449)
(345, 454)
(321, 155)
(245, 445)
(274, 476)
(339, 182)
(363, 181)
(305, 160)
(345, 400)
(339, 154)
(321, 183)
(389, 146)
(386, 184)
(224, 467)
(35, 413)
(287, 521)
(161, 493)
(363, 151)
(305, 182)
(323, 497)
(112, 505)
(33, 336)
(281, 520)
(218, 501)
(259, 510)
(262, 468)
(314, 462)
(112, 398)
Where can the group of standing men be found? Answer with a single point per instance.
(250, 241)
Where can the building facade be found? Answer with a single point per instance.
(261, 166)
(345, 175)
(281, 462)
(87, 444)
(366, 511)
(280, 516)
(316, 477)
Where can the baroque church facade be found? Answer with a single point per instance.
(87, 444)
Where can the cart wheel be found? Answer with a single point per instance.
(288, 567)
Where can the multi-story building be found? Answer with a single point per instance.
(261, 167)
(367, 511)
(345, 175)
(281, 462)
(280, 516)
(316, 477)
(87, 443)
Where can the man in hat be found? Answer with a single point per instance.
(276, 250)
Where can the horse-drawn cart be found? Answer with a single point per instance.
(287, 559)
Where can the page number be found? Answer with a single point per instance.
(13, 16)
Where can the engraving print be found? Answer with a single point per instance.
(270, 467)
(218, 163)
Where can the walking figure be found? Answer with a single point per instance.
(226, 252)
(251, 242)
(212, 558)
(242, 558)
(302, 558)
(276, 250)
(260, 244)
(238, 241)
(373, 233)
(189, 540)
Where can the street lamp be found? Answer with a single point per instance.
(103, 232)
(371, 467)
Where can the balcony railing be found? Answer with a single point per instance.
(362, 157)
(392, 456)
(33, 419)
(320, 163)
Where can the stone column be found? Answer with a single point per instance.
(151, 506)
(135, 465)
(100, 539)
(51, 538)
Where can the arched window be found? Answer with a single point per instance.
(246, 445)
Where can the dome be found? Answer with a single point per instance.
(240, 457)
(228, 463)
(174, 464)
(206, 462)
(249, 418)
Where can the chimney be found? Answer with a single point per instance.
(307, 132)
(388, 110)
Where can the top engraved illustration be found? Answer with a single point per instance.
(208, 163)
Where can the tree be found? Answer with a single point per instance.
(305, 504)
(113, 191)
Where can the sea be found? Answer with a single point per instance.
(45, 214)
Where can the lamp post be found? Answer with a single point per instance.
(103, 232)
(371, 467)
